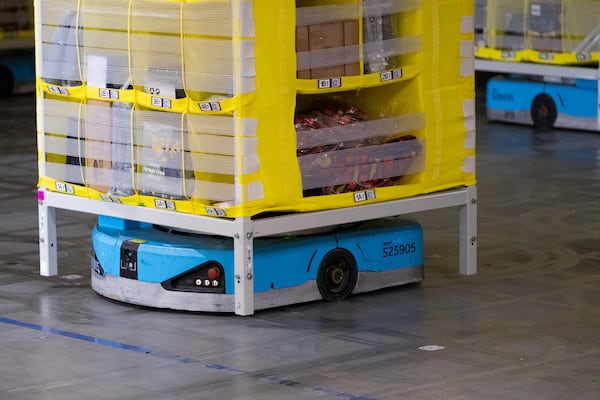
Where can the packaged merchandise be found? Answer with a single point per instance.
(236, 108)
(346, 166)
(543, 31)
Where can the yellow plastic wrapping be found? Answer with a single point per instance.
(543, 31)
(238, 107)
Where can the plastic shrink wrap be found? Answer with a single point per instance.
(239, 107)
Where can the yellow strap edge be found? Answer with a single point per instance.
(146, 100)
(335, 84)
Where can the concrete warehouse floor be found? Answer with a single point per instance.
(527, 326)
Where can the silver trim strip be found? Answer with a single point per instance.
(154, 295)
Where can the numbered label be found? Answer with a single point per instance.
(330, 83)
(210, 106)
(108, 94)
(65, 188)
(161, 102)
(110, 199)
(217, 212)
(390, 75)
(58, 90)
(164, 204)
(364, 195)
(395, 250)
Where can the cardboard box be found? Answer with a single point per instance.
(326, 36)
(544, 27)
(350, 39)
(330, 35)
(301, 47)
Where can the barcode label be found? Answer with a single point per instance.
(330, 83)
(164, 204)
(66, 188)
(110, 199)
(364, 195)
(210, 106)
(215, 211)
(390, 75)
(57, 90)
(108, 94)
(161, 102)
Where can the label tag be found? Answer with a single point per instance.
(108, 94)
(58, 90)
(364, 195)
(110, 199)
(390, 75)
(216, 212)
(161, 102)
(65, 188)
(330, 83)
(165, 204)
(210, 106)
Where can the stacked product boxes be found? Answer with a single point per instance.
(548, 31)
(237, 107)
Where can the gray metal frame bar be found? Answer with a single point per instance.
(510, 67)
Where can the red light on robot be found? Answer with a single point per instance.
(213, 273)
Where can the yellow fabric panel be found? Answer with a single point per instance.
(245, 162)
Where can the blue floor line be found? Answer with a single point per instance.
(92, 339)
(273, 379)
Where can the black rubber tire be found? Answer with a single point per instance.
(7, 82)
(543, 111)
(337, 275)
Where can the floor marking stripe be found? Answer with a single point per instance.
(95, 340)
(269, 378)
